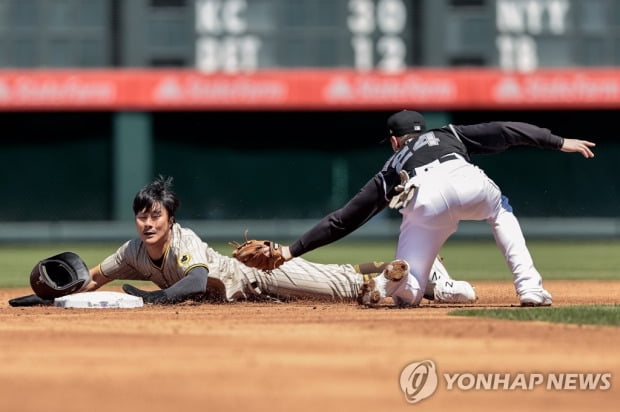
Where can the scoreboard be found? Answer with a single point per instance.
(237, 36)
(244, 35)
(309, 54)
(391, 35)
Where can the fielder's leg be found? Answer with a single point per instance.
(443, 198)
(509, 238)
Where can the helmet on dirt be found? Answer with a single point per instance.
(59, 275)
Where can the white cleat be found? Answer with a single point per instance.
(455, 291)
(441, 288)
(538, 297)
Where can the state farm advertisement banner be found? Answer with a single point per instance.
(423, 89)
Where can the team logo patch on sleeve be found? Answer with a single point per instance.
(184, 260)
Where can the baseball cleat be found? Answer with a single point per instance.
(535, 298)
(455, 291)
(396, 270)
(368, 294)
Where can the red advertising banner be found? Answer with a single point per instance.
(420, 89)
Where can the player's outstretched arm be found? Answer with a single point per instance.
(579, 146)
(193, 284)
(96, 280)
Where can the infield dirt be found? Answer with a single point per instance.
(302, 356)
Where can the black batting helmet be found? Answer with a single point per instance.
(59, 275)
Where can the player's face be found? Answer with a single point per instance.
(154, 226)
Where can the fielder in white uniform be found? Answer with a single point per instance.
(185, 267)
(446, 188)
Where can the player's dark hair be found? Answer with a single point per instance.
(158, 191)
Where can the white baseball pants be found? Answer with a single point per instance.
(448, 193)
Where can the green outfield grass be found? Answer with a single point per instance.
(607, 315)
(482, 260)
(467, 260)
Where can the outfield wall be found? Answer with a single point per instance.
(287, 229)
(289, 165)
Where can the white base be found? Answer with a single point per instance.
(99, 300)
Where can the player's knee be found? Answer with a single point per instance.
(408, 296)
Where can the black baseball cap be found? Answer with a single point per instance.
(404, 122)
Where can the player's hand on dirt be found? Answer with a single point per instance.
(579, 146)
(155, 297)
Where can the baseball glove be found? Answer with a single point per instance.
(260, 254)
(404, 191)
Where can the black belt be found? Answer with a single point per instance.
(445, 158)
(442, 159)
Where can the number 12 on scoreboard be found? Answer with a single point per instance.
(378, 27)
